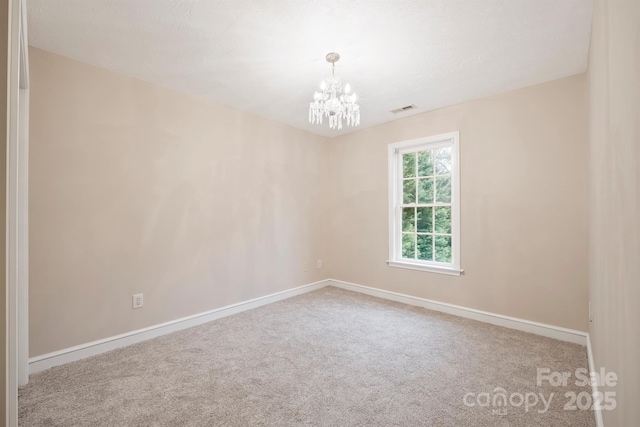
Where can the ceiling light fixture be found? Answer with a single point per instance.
(334, 101)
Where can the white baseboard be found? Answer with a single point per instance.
(71, 354)
(556, 332)
(594, 385)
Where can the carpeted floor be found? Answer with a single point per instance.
(327, 358)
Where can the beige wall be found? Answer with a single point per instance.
(4, 57)
(614, 82)
(138, 189)
(523, 204)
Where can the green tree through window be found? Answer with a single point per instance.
(426, 211)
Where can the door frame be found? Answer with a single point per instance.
(23, 204)
(17, 208)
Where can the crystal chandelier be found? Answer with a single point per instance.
(333, 100)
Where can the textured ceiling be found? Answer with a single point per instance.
(267, 57)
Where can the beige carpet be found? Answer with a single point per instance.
(327, 358)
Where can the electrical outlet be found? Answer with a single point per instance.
(305, 266)
(138, 301)
(319, 263)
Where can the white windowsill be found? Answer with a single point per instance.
(451, 271)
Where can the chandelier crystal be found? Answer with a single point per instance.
(334, 101)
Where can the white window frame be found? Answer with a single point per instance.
(396, 150)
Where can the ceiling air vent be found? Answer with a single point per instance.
(405, 108)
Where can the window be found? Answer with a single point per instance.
(424, 204)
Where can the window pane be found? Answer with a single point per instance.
(443, 161)
(425, 190)
(408, 219)
(425, 220)
(409, 191)
(409, 165)
(443, 219)
(443, 248)
(408, 246)
(425, 163)
(443, 189)
(425, 247)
